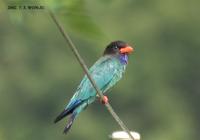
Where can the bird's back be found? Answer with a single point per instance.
(105, 72)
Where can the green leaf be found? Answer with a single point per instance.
(75, 14)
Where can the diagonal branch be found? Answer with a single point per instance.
(84, 67)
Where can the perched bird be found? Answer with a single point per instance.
(106, 72)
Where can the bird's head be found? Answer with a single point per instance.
(118, 47)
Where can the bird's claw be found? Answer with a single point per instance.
(104, 100)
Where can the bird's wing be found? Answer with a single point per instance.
(105, 73)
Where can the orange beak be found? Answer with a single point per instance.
(127, 49)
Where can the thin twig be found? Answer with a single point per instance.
(83, 65)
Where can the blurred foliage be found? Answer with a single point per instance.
(73, 12)
(158, 96)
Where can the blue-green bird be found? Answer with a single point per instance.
(106, 72)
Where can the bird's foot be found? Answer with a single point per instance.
(104, 100)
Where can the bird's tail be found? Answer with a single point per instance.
(74, 109)
(73, 116)
(62, 115)
(70, 122)
(68, 110)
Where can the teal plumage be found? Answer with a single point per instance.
(106, 72)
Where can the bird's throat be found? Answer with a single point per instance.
(123, 59)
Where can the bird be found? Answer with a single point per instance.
(106, 72)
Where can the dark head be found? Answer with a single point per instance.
(118, 47)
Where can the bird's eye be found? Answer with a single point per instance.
(115, 47)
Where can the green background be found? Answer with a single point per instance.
(157, 97)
